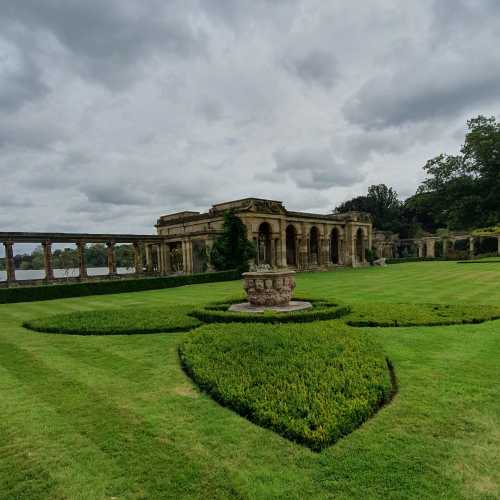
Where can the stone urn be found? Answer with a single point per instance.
(269, 288)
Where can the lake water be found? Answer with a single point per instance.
(35, 274)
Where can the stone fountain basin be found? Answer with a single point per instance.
(269, 290)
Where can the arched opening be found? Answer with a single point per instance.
(335, 246)
(424, 249)
(264, 244)
(314, 246)
(291, 246)
(360, 246)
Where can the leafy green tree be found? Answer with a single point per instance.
(382, 203)
(232, 250)
(461, 191)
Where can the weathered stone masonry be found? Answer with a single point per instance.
(284, 239)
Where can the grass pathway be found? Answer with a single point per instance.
(101, 417)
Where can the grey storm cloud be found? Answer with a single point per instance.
(438, 89)
(315, 168)
(20, 78)
(114, 112)
(108, 40)
(113, 193)
(318, 66)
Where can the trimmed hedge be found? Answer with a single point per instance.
(62, 291)
(117, 321)
(395, 315)
(404, 260)
(309, 383)
(321, 310)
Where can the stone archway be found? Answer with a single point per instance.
(335, 246)
(264, 244)
(291, 246)
(314, 246)
(360, 246)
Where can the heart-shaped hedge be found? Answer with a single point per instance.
(311, 383)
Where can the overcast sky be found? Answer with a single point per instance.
(113, 112)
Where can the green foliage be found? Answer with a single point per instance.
(309, 383)
(387, 315)
(137, 320)
(232, 250)
(62, 291)
(403, 260)
(382, 203)
(322, 310)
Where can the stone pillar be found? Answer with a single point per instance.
(431, 248)
(111, 258)
(445, 247)
(420, 249)
(184, 256)
(189, 253)
(471, 247)
(163, 257)
(9, 261)
(81, 259)
(498, 247)
(209, 245)
(272, 259)
(149, 261)
(283, 245)
(138, 258)
(47, 260)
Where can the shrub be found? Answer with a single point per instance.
(310, 383)
(232, 249)
(117, 321)
(62, 291)
(387, 315)
(321, 310)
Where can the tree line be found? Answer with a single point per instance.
(460, 192)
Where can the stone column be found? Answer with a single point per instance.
(431, 248)
(272, 259)
(9, 261)
(189, 248)
(81, 259)
(471, 247)
(420, 249)
(163, 256)
(208, 245)
(283, 245)
(445, 247)
(47, 260)
(111, 258)
(184, 256)
(498, 248)
(149, 262)
(138, 258)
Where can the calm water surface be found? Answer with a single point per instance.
(34, 274)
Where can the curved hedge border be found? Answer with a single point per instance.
(309, 383)
(124, 285)
(321, 310)
(397, 315)
(117, 321)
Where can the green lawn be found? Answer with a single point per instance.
(115, 416)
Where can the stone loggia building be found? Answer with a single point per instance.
(284, 239)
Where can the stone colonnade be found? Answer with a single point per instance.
(283, 243)
(426, 247)
(155, 250)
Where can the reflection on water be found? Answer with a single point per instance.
(36, 274)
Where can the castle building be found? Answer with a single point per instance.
(284, 239)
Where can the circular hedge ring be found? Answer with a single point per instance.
(117, 321)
